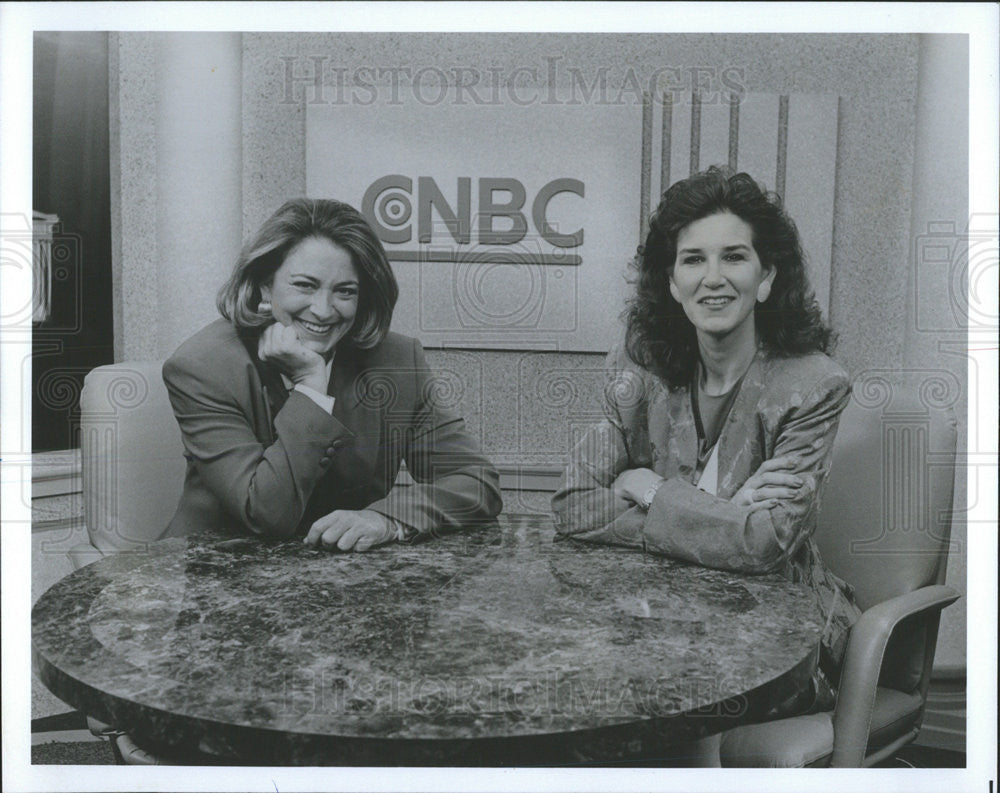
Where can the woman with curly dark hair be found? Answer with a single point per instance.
(721, 416)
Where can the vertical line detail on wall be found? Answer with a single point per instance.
(695, 131)
(668, 120)
(734, 129)
(647, 162)
(779, 176)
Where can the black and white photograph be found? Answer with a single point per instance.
(499, 396)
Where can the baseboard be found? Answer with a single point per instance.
(56, 473)
(530, 477)
(67, 524)
(59, 473)
(535, 478)
(64, 736)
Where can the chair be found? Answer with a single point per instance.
(132, 459)
(133, 472)
(884, 527)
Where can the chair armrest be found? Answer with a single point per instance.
(863, 663)
(82, 554)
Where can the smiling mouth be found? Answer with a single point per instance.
(716, 301)
(314, 327)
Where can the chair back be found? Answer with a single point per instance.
(885, 520)
(132, 455)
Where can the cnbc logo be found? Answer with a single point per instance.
(498, 230)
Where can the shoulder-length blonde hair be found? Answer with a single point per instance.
(297, 220)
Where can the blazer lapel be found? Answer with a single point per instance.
(344, 385)
(684, 431)
(739, 433)
(274, 389)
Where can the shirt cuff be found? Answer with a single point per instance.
(404, 532)
(400, 529)
(325, 401)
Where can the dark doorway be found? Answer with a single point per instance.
(71, 179)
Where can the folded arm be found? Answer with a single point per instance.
(685, 522)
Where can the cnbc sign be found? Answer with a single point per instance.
(404, 211)
(507, 227)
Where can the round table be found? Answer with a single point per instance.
(498, 646)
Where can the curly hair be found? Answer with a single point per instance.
(659, 336)
(298, 220)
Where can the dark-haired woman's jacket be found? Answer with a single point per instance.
(785, 406)
(269, 461)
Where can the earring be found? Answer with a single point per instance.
(264, 307)
(763, 291)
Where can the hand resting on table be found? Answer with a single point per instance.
(348, 530)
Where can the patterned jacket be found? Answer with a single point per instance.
(785, 406)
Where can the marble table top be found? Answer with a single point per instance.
(499, 646)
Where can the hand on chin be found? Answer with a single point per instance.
(280, 345)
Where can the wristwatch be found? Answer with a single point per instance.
(649, 495)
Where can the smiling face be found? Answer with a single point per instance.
(717, 274)
(315, 291)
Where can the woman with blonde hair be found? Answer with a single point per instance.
(298, 406)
